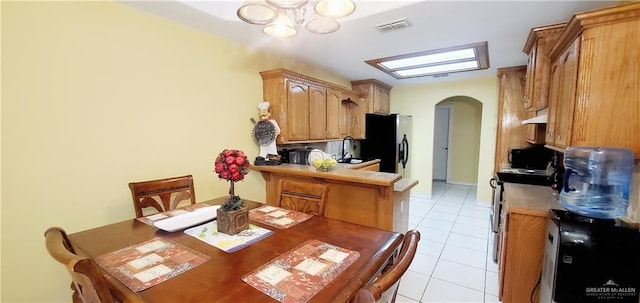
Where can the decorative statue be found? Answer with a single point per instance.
(266, 131)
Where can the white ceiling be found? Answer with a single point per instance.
(435, 24)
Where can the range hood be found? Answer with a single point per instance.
(540, 118)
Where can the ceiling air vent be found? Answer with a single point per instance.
(393, 25)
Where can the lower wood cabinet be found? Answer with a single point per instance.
(523, 231)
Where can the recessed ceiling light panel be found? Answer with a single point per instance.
(440, 61)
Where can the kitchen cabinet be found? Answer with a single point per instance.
(510, 132)
(564, 72)
(537, 47)
(375, 95)
(522, 237)
(594, 89)
(534, 133)
(354, 193)
(351, 121)
(334, 102)
(307, 109)
(297, 103)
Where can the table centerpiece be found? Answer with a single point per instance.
(233, 217)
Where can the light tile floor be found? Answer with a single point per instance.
(453, 262)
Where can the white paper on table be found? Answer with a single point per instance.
(273, 274)
(178, 212)
(152, 273)
(188, 219)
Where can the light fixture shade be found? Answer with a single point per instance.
(323, 25)
(288, 4)
(282, 27)
(257, 13)
(335, 8)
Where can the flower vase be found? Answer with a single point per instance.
(232, 222)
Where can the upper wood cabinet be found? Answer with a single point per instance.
(594, 89)
(352, 115)
(297, 103)
(375, 95)
(306, 109)
(564, 72)
(537, 47)
(510, 132)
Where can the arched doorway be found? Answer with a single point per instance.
(457, 127)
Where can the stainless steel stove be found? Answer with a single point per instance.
(510, 175)
(525, 176)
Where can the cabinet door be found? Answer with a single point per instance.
(333, 114)
(355, 115)
(510, 133)
(534, 132)
(298, 111)
(567, 94)
(381, 102)
(317, 113)
(530, 80)
(553, 103)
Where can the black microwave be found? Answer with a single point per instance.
(535, 157)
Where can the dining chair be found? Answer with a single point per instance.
(305, 197)
(170, 192)
(88, 282)
(384, 288)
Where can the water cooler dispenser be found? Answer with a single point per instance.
(591, 255)
(590, 260)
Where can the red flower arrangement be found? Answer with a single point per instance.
(232, 165)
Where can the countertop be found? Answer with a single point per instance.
(342, 172)
(532, 200)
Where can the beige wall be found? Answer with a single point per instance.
(98, 94)
(420, 101)
(466, 115)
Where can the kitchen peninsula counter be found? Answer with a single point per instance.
(371, 198)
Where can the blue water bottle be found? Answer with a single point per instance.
(597, 181)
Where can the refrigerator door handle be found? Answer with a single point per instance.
(405, 151)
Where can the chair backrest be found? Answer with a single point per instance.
(87, 280)
(303, 196)
(170, 191)
(385, 287)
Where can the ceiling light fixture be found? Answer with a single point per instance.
(435, 62)
(283, 18)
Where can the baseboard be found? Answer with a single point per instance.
(462, 183)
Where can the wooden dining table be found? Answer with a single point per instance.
(220, 278)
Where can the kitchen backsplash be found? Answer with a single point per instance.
(334, 148)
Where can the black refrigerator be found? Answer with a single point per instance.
(387, 138)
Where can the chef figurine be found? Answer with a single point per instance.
(265, 115)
